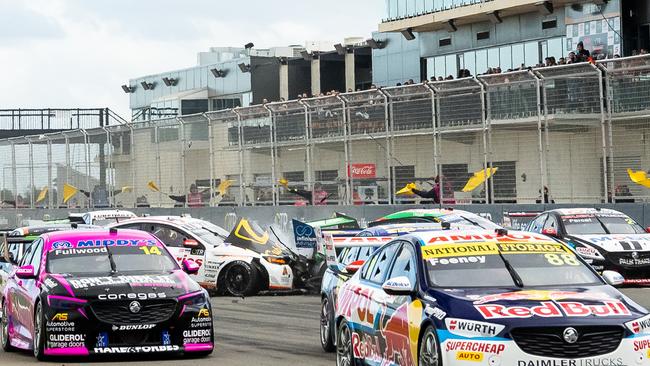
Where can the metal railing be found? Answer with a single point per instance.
(573, 130)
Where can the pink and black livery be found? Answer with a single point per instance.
(81, 293)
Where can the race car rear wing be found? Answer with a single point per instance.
(331, 245)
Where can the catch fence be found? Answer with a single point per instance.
(579, 132)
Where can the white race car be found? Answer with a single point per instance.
(241, 263)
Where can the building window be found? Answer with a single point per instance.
(444, 42)
(225, 103)
(482, 35)
(194, 106)
(549, 24)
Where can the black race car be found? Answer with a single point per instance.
(607, 239)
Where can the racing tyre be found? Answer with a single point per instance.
(240, 279)
(4, 329)
(326, 321)
(39, 333)
(429, 353)
(344, 356)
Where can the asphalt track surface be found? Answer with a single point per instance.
(257, 331)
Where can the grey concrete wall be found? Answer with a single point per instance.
(267, 215)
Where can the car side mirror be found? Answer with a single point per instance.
(398, 286)
(550, 232)
(647, 230)
(353, 267)
(190, 267)
(190, 243)
(25, 272)
(613, 278)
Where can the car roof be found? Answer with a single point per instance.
(585, 211)
(36, 230)
(477, 236)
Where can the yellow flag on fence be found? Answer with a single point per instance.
(152, 185)
(68, 192)
(478, 178)
(639, 177)
(283, 182)
(408, 189)
(223, 186)
(126, 189)
(42, 195)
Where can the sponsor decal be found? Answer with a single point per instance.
(160, 281)
(61, 244)
(634, 261)
(481, 249)
(60, 317)
(304, 235)
(471, 328)
(197, 336)
(459, 238)
(587, 251)
(80, 251)
(604, 361)
(66, 340)
(639, 326)
(366, 347)
(133, 327)
(137, 349)
(495, 348)
(542, 295)
(198, 261)
(435, 312)
(50, 283)
(642, 345)
(133, 296)
(204, 313)
(362, 171)
(457, 260)
(110, 242)
(469, 356)
(558, 309)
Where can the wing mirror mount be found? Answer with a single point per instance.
(399, 286)
(613, 278)
(353, 267)
(647, 230)
(550, 232)
(26, 272)
(190, 267)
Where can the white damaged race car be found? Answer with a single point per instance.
(607, 239)
(240, 263)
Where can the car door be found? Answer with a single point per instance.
(372, 298)
(26, 291)
(393, 325)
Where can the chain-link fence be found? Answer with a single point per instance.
(566, 134)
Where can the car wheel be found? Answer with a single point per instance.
(429, 354)
(39, 333)
(4, 329)
(240, 279)
(326, 320)
(344, 356)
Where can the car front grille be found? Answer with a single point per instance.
(549, 342)
(117, 312)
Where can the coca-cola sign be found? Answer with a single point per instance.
(362, 171)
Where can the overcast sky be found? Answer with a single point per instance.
(77, 53)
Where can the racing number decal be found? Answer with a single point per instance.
(562, 259)
(151, 250)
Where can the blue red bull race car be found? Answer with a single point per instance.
(486, 298)
(79, 293)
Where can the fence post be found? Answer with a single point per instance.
(349, 184)
(603, 128)
(241, 157)
(436, 136)
(389, 139)
(183, 143)
(133, 162)
(273, 137)
(487, 141)
(308, 146)
(50, 190)
(158, 167)
(540, 139)
(31, 172)
(210, 157)
(68, 164)
(13, 168)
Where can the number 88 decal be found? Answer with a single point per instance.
(562, 259)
